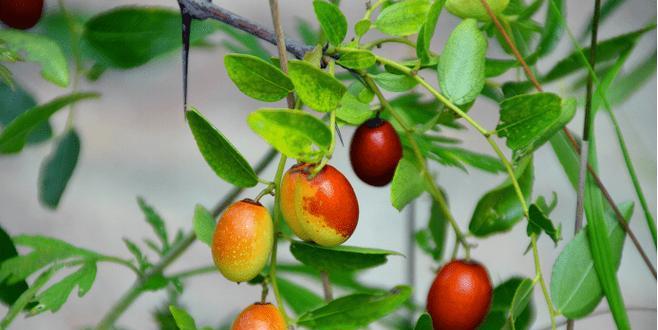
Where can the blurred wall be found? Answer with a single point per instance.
(135, 142)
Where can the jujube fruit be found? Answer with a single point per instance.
(20, 14)
(259, 316)
(460, 296)
(475, 9)
(375, 152)
(242, 241)
(322, 209)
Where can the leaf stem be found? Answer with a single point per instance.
(120, 261)
(379, 42)
(277, 219)
(494, 146)
(542, 282)
(433, 189)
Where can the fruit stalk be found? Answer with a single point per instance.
(433, 189)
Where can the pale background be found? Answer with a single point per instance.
(135, 142)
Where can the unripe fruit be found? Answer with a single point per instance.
(243, 240)
(323, 209)
(259, 316)
(375, 152)
(20, 14)
(460, 296)
(475, 9)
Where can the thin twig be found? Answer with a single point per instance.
(326, 287)
(576, 147)
(174, 252)
(283, 63)
(584, 156)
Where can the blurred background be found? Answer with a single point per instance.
(135, 142)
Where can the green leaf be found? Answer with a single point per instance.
(362, 93)
(14, 136)
(219, 153)
(355, 311)
(538, 222)
(356, 58)
(552, 30)
(14, 102)
(427, 31)
(155, 283)
(501, 305)
(567, 157)
(394, 82)
(403, 18)
(316, 88)
(521, 299)
(241, 42)
(9, 292)
(39, 49)
(474, 8)
(529, 120)
(256, 78)
(437, 229)
(362, 27)
(407, 184)
(183, 320)
(137, 253)
(606, 50)
(127, 37)
(626, 85)
(425, 320)
(204, 224)
(55, 296)
(299, 298)
(294, 133)
(332, 21)
(575, 286)
(156, 222)
(345, 258)
(57, 169)
(462, 63)
(352, 111)
(499, 209)
(456, 156)
(46, 250)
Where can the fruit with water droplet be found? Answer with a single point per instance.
(242, 241)
(321, 208)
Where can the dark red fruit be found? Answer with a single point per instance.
(375, 152)
(460, 296)
(20, 14)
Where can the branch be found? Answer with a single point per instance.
(138, 287)
(574, 144)
(202, 9)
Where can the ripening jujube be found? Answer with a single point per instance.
(375, 152)
(460, 296)
(20, 14)
(259, 316)
(322, 208)
(242, 241)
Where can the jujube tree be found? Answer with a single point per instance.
(338, 77)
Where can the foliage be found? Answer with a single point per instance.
(340, 81)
